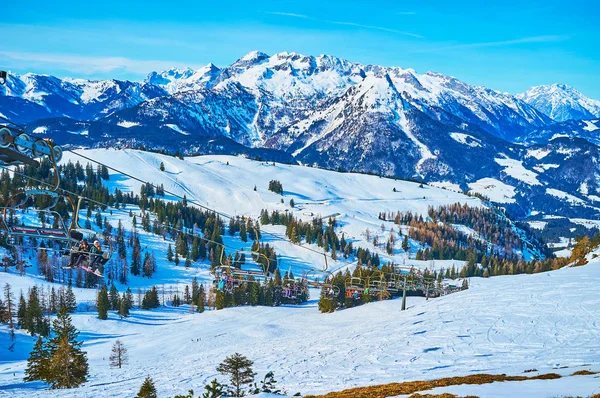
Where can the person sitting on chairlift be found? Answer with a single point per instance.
(96, 256)
(79, 256)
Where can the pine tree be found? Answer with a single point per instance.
(8, 296)
(136, 257)
(213, 390)
(268, 385)
(169, 253)
(195, 254)
(243, 233)
(118, 355)
(21, 311)
(113, 298)
(148, 390)
(34, 320)
(405, 245)
(3, 312)
(162, 166)
(239, 370)
(176, 258)
(38, 362)
(102, 303)
(123, 307)
(68, 363)
(70, 301)
(151, 299)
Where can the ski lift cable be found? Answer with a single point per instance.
(125, 212)
(222, 214)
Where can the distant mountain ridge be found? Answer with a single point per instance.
(561, 102)
(329, 112)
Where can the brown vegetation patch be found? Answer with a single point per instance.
(410, 387)
(584, 373)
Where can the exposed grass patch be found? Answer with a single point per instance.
(445, 395)
(411, 387)
(584, 373)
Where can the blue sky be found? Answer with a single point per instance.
(505, 45)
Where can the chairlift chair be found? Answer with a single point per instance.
(26, 227)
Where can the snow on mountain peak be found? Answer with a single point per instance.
(561, 102)
(254, 55)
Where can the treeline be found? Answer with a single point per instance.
(319, 233)
(33, 310)
(109, 299)
(493, 233)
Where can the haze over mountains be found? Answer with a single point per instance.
(341, 115)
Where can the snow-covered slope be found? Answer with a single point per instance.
(561, 102)
(227, 184)
(500, 325)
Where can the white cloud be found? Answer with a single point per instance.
(500, 43)
(88, 65)
(289, 14)
(358, 25)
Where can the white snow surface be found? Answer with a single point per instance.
(537, 224)
(500, 325)
(503, 324)
(446, 185)
(494, 189)
(516, 170)
(563, 195)
(537, 153)
(126, 124)
(354, 199)
(465, 139)
(590, 126)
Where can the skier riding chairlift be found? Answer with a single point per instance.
(80, 256)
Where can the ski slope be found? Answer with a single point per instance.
(226, 184)
(500, 325)
(509, 324)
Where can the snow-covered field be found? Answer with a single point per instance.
(503, 324)
(500, 325)
(227, 184)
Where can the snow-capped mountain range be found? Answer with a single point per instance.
(336, 114)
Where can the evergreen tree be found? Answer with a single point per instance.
(151, 299)
(136, 257)
(268, 385)
(176, 258)
(239, 370)
(147, 390)
(102, 303)
(125, 305)
(213, 390)
(70, 300)
(169, 253)
(34, 321)
(118, 355)
(68, 363)
(8, 296)
(195, 254)
(21, 311)
(38, 362)
(162, 166)
(113, 298)
(405, 245)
